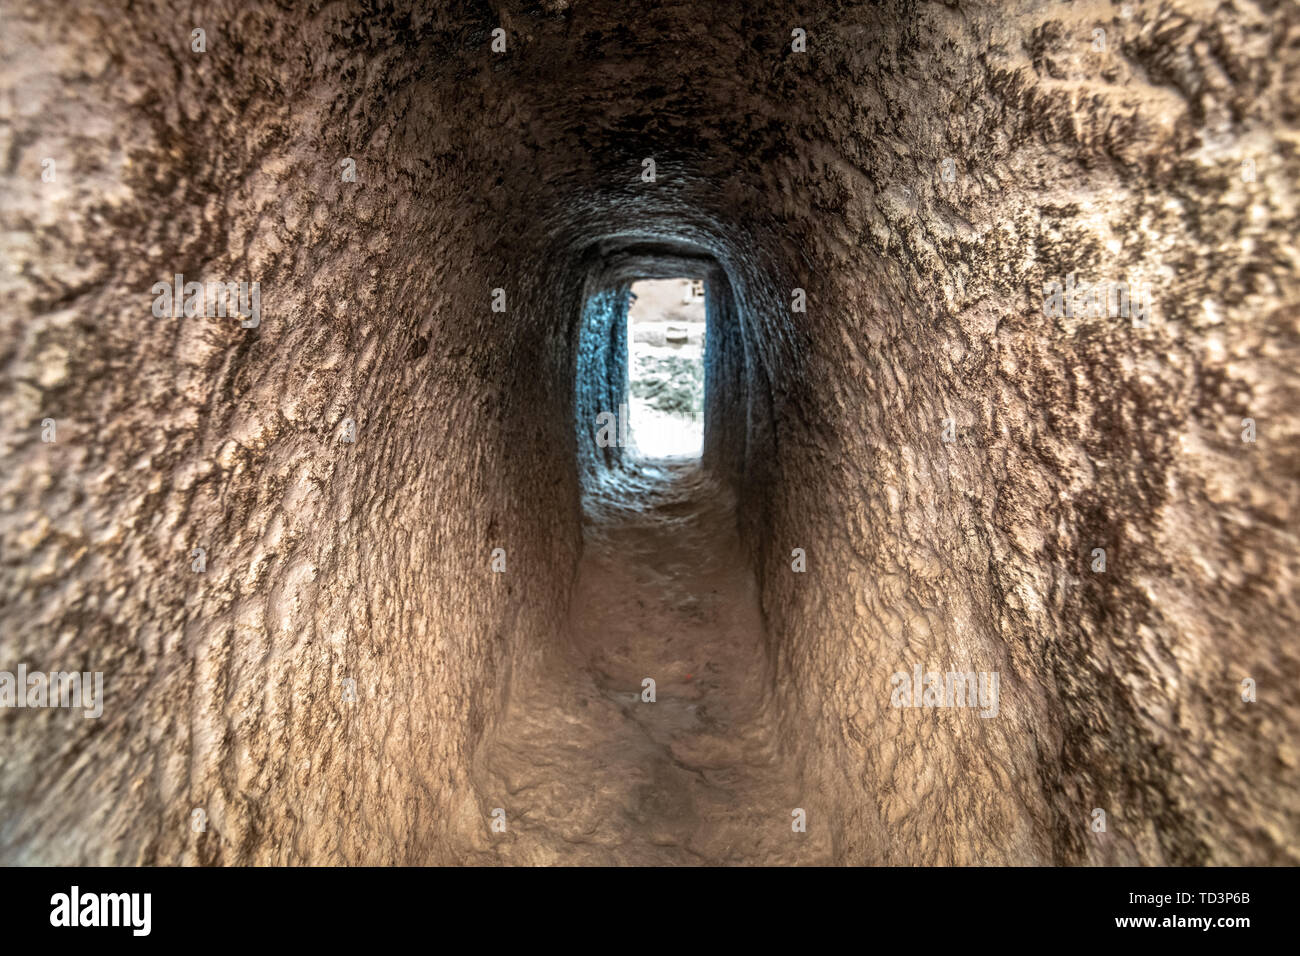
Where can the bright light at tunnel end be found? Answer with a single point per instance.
(665, 335)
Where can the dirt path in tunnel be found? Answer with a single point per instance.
(589, 772)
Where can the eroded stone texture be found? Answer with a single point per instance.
(326, 560)
(521, 171)
(1120, 690)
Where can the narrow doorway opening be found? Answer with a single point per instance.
(665, 337)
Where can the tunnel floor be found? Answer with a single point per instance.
(588, 771)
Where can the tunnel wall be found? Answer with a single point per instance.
(726, 383)
(602, 375)
(1121, 690)
(326, 561)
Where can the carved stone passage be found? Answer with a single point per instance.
(306, 319)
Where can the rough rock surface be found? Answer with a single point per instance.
(331, 562)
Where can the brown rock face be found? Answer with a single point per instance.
(1001, 380)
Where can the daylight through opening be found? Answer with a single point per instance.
(665, 336)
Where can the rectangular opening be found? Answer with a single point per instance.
(665, 336)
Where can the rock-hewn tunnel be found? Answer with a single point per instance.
(993, 291)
